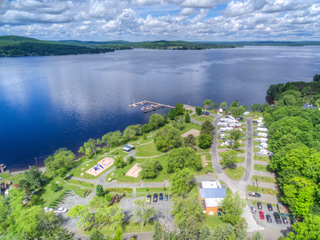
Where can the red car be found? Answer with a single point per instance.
(261, 213)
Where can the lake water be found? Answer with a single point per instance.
(61, 101)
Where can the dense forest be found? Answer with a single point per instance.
(294, 138)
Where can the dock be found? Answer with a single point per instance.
(152, 106)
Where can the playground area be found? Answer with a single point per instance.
(194, 132)
(134, 171)
(101, 166)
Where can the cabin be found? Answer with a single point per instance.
(262, 129)
(128, 148)
(211, 195)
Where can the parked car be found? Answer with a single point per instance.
(253, 209)
(160, 196)
(47, 209)
(254, 194)
(261, 213)
(285, 220)
(292, 221)
(148, 200)
(277, 217)
(166, 197)
(259, 205)
(269, 219)
(170, 196)
(155, 197)
(61, 210)
(269, 207)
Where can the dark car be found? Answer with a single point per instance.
(269, 219)
(277, 218)
(269, 207)
(155, 197)
(285, 220)
(160, 196)
(292, 221)
(259, 205)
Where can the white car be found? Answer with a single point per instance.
(47, 209)
(61, 210)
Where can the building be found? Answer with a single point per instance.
(211, 194)
(128, 148)
(308, 106)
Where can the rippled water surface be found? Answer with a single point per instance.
(61, 101)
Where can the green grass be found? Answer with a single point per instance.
(256, 143)
(202, 118)
(148, 150)
(135, 227)
(261, 158)
(81, 183)
(212, 221)
(14, 178)
(207, 169)
(264, 179)
(188, 126)
(222, 147)
(207, 155)
(244, 130)
(140, 192)
(259, 167)
(240, 159)
(235, 173)
(256, 149)
(262, 190)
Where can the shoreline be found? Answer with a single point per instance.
(16, 172)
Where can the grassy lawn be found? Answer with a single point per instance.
(207, 155)
(207, 169)
(235, 173)
(81, 183)
(256, 149)
(212, 221)
(264, 179)
(14, 178)
(256, 143)
(188, 126)
(262, 190)
(222, 147)
(261, 158)
(240, 160)
(148, 150)
(140, 192)
(259, 167)
(244, 130)
(202, 118)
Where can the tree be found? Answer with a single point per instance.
(205, 141)
(34, 177)
(181, 158)
(4, 211)
(172, 113)
(204, 233)
(207, 104)
(60, 162)
(233, 206)
(187, 118)
(198, 110)
(179, 109)
(118, 234)
(131, 132)
(150, 169)
(167, 138)
(156, 121)
(306, 229)
(144, 212)
(88, 148)
(215, 105)
(207, 128)
(165, 118)
(96, 235)
(234, 136)
(256, 236)
(256, 107)
(190, 141)
(112, 138)
(188, 216)
(25, 186)
(234, 104)
(84, 215)
(316, 78)
(119, 162)
(178, 121)
(55, 187)
(108, 215)
(229, 158)
(99, 190)
(223, 232)
(224, 105)
(298, 195)
(157, 233)
(181, 182)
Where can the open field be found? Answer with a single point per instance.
(259, 167)
(262, 190)
(264, 179)
(235, 173)
(147, 150)
(261, 158)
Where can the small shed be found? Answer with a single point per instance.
(128, 147)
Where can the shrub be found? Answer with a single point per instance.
(205, 141)
(99, 190)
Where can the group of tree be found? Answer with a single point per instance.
(205, 138)
(150, 169)
(237, 110)
(177, 111)
(259, 108)
(208, 104)
(29, 222)
(234, 137)
(229, 159)
(60, 162)
(183, 157)
(294, 138)
(167, 138)
(32, 179)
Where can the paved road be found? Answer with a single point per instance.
(214, 151)
(249, 150)
(195, 121)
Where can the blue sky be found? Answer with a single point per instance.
(139, 20)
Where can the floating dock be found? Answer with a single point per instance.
(154, 106)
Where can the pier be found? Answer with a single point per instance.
(154, 106)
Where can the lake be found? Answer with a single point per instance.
(61, 101)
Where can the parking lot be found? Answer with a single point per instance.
(264, 222)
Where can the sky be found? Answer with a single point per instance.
(142, 20)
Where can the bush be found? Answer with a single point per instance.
(119, 162)
(130, 159)
(120, 190)
(99, 190)
(54, 187)
(150, 169)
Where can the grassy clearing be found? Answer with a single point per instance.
(202, 118)
(207, 169)
(264, 179)
(135, 227)
(235, 173)
(262, 190)
(212, 221)
(261, 158)
(14, 178)
(140, 192)
(188, 126)
(244, 130)
(207, 155)
(82, 183)
(259, 167)
(148, 150)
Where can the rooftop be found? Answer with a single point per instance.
(213, 192)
